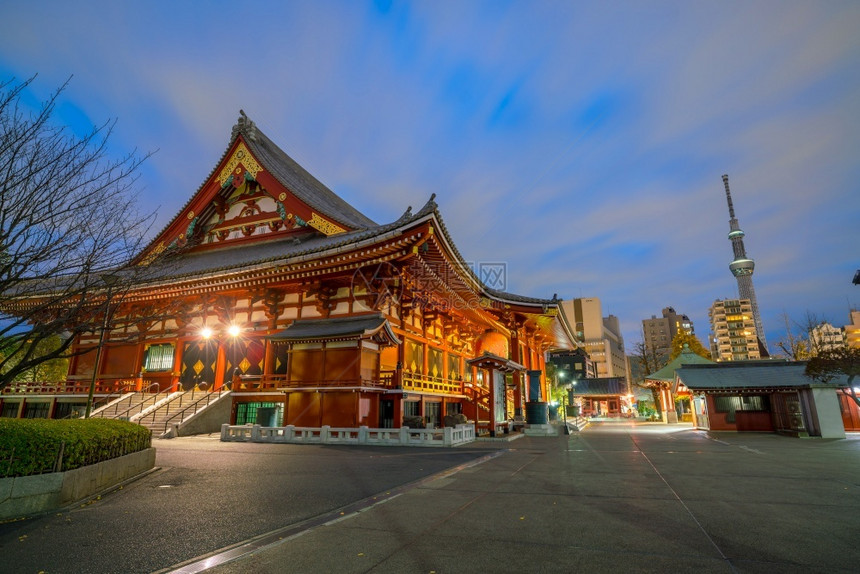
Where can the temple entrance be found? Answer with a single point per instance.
(246, 355)
(198, 363)
(386, 414)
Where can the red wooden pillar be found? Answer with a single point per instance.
(517, 375)
(491, 373)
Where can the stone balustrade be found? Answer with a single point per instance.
(404, 436)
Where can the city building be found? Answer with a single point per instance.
(761, 396)
(733, 332)
(575, 364)
(852, 330)
(276, 293)
(742, 268)
(658, 332)
(825, 337)
(599, 336)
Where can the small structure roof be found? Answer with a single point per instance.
(339, 328)
(687, 357)
(751, 376)
(499, 363)
(600, 387)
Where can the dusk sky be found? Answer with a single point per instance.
(581, 143)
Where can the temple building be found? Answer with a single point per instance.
(276, 292)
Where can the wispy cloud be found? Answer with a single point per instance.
(582, 143)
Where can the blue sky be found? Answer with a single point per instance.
(582, 143)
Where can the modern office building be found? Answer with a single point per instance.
(658, 332)
(733, 331)
(600, 336)
(742, 267)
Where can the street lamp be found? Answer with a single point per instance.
(110, 281)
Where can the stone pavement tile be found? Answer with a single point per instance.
(630, 524)
(412, 513)
(324, 550)
(818, 537)
(755, 488)
(463, 554)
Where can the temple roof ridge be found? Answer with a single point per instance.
(286, 171)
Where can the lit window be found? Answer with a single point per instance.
(159, 358)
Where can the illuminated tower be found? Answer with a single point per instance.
(742, 267)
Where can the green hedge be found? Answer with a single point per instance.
(37, 446)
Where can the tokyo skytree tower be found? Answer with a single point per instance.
(742, 267)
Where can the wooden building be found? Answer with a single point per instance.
(313, 314)
(675, 399)
(602, 397)
(764, 396)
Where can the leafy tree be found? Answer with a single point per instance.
(49, 371)
(68, 222)
(832, 363)
(685, 338)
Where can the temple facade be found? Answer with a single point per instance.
(268, 285)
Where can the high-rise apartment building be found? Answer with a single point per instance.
(733, 330)
(825, 337)
(658, 332)
(742, 267)
(601, 336)
(852, 331)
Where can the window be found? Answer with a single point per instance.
(159, 357)
(247, 413)
(410, 408)
(10, 409)
(730, 404)
(36, 410)
(69, 410)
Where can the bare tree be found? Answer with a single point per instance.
(649, 362)
(794, 344)
(69, 228)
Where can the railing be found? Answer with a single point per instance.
(186, 411)
(142, 405)
(404, 436)
(419, 382)
(70, 387)
(256, 383)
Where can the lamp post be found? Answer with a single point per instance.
(559, 377)
(110, 281)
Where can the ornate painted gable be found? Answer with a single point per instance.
(256, 192)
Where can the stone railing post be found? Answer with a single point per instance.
(289, 433)
(325, 434)
(447, 436)
(404, 435)
(255, 433)
(225, 432)
(362, 435)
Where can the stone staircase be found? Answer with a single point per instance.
(125, 406)
(177, 408)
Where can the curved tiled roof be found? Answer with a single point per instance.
(299, 181)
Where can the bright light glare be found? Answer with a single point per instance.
(206, 332)
(234, 330)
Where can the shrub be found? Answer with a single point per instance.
(36, 446)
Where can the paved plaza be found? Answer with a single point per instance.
(613, 498)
